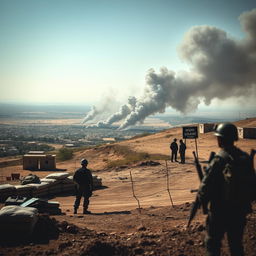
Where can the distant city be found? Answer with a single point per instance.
(25, 127)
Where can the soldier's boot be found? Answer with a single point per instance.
(75, 210)
(85, 211)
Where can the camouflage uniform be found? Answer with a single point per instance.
(224, 216)
(84, 181)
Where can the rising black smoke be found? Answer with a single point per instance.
(221, 67)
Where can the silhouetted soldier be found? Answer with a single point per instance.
(182, 150)
(84, 182)
(228, 189)
(174, 149)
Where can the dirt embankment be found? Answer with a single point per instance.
(152, 231)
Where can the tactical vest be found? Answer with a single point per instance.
(239, 178)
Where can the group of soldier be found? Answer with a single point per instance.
(227, 190)
(174, 151)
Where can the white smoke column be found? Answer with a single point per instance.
(124, 111)
(91, 114)
(221, 67)
(108, 104)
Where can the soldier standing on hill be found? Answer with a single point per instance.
(84, 182)
(228, 187)
(182, 150)
(174, 149)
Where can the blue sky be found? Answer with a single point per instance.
(60, 51)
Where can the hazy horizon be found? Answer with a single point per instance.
(83, 109)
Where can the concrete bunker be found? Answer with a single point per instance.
(39, 161)
(206, 127)
(247, 132)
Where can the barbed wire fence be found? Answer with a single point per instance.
(133, 193)
(155, 193)
(167, 183)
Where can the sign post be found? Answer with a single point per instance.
(191, 132)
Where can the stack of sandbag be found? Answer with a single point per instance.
(97, 181)
(68, 185)
(52, 184)
(63, 182)
(30, 178)
(53, 187)
(5, 191)
(43, 206)
(17, 222)
(40, 190)
(24, 190)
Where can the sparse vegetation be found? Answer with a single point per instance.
(64, 154)
(130, 156)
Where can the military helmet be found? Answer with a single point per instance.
(227, 131)
(84, 162)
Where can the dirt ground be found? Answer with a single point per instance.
(151, 231)
(116, 225)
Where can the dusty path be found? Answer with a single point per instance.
(150, 186)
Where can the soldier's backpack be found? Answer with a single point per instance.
(239, 178)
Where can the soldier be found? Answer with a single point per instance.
(84, 182)
(182, 150)
(228, 189)
(174, 149)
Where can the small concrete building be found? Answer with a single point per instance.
(109, 139)
(39, 162)
(206, 127)
(247, 132)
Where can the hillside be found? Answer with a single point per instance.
(159, 228)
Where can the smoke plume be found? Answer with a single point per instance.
(124, 111)
(221, 67)
(108, 104)
(91, 114)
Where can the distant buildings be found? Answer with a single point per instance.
(206, 127)
(247, 132)
(109, 139)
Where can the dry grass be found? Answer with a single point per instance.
(131, 157)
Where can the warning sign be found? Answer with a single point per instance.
(190, 132)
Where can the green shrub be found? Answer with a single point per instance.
(65, 154)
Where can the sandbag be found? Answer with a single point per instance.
(24, 190)
(30, 178)
(6, 190)
(57, 175)
(17, 222)
(50, 181)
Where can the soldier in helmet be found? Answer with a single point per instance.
(174, 149)
(84, 186)
(182, 151)
(227, 189)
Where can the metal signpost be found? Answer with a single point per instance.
(191, 132)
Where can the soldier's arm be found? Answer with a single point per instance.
(209, 180)
(75, 177)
